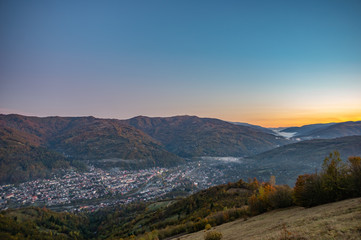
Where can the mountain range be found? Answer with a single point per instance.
(326, 131)
(190, 136)
(33, 147)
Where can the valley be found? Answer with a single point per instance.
(88, 163)
(171, 175)
(96, 188)
(161, 120)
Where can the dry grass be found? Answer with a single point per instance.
(340, 220)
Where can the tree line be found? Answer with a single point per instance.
(336, 181)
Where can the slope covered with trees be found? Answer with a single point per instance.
(48, 143)
(336, 130)
(42, 224)
(326, 131)
(32, 146)
(22, 157)
(190, 136)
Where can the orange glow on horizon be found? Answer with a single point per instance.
(296, 120)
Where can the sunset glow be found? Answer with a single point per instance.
(270, 63)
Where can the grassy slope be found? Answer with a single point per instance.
(339, 220)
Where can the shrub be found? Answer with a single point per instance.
(281, 198)
(256, 205)
(213, 235)
(309, 190)
(208, 226)
(218, 218)
(259, 202)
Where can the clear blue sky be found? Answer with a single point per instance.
(271, 63)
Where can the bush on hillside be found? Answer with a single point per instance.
(213, 235)
(308, 190)
(268, 197)
(281, 198)
(259, 201)
(207, 227)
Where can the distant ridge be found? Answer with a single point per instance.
(327, 130)
(306, 129)
(289, 161)
(259, 128)
(191, 136)
(336, 130)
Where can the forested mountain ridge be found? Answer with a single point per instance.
(22, 157)
(191, 136)
(256, 127)
(30, 146)
(336, 130)
(34, 146)
(326, 131)
(145, 141)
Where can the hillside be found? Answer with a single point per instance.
(289, 161)
(306, 129)
(256, 127)
(137, 142)
(327, 130)
(36, 223)
(190, 136)
(213, 207)
(26, 140)
(21, 157)
(177, 215)
(335, 130)
(339, 220)
(97, 139)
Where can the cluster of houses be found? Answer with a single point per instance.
(73, 185)
(111, 187)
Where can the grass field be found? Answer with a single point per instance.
(340, 220)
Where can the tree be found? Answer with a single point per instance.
(334, 177)
(337, 181)
(355, 176)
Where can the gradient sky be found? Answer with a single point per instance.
(272, 63)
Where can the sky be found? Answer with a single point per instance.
(271, 63)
